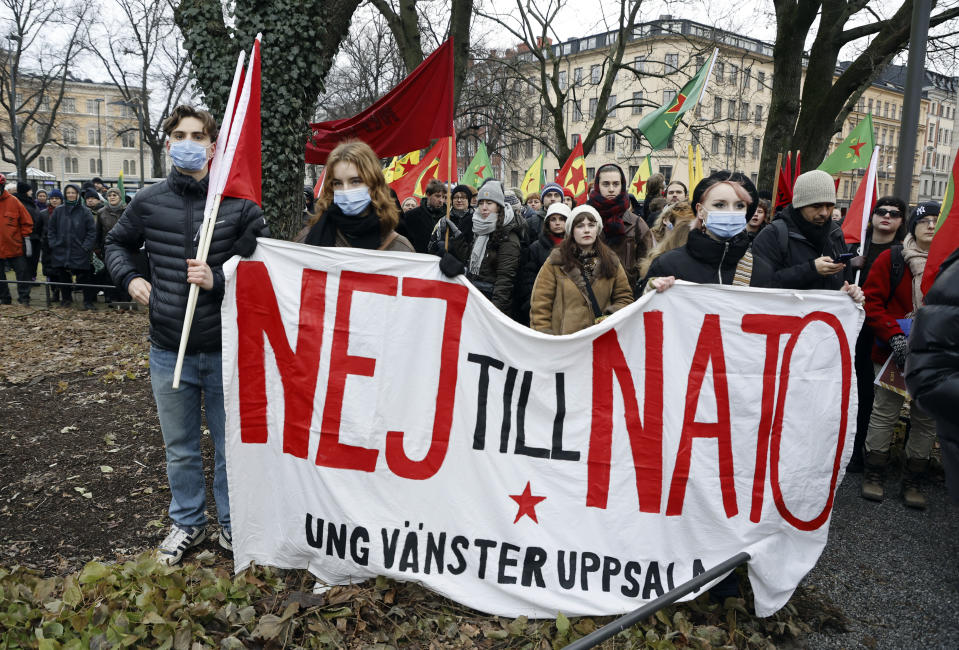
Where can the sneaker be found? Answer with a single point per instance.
(226, 539)
(179, 540)
(89, 306)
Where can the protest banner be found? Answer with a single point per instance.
(383, 419)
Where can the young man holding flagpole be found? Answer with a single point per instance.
(167, 218)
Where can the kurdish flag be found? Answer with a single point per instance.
(695, 161)
(659, 125)
(573, 174)
(637, 186)
(535, 178)
(400, 165)
(479, 168)
(854, 152)
(947, 231)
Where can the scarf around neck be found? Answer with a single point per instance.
(612, 211)
(362, 231)
(916, 259)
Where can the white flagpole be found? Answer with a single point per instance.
(219, 172)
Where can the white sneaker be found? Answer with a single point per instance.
(226, 539)
(178, 541)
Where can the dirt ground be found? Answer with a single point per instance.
(82, 471)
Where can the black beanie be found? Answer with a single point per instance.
(927, 209)
(91, 194)
(23, 187)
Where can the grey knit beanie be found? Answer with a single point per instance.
(814, 187)
(492, 191)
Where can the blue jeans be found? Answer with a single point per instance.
(179, 412)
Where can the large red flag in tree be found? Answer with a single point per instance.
(408, 117)
(573, 174)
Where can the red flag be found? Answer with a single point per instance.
(573, 174)
(246, 170)
(798, 168)
(857, 216)
(319, 184)
(435, 164)
(408, 117)
(784, 189)
(947, 231)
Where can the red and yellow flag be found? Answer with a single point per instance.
(439, 162)
(573, 174)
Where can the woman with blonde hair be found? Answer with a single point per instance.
(582, 281)
(354, 208)
(668, 216)
(674, 238)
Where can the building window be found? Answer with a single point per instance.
(672, 63)
(747, 78)
(759, 114)
(729, 145)
(49, 163)
(595, 73)
(514, 178)
(637, 103)
(128, 140)
(126, 166)
(639, 63)
(93, 165)
(133, 166)
(756, 142)
(667, 171)
(718, 71)
(744, 111)
(731, 109)
(742, 146)
(91, 136)
(41, 164)
(69, 134)
(575, 141)
(529, 150)
(611, 106)
(635, 141)
(562, 80)
(611, 143)
(733, 74)
(593, 104)
(714, 149)
(577, 76)
(870, 106)
(91, 106)
(717, 108)
(760, 79)
(590, 174)
(69, 105)
(668, 97)
(577, 110)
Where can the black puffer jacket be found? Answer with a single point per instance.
(932, 367)
(705, 260)
(39, 217)
(793, 264)
(71, 234)
(167, 216)
(536, 255)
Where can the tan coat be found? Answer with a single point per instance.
(560, 303)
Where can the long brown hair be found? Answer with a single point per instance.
(607, 261)
(367, 164)
(675, 238)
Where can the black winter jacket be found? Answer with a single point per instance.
(705, 260)
(793, 265)
(39, 217)
(536, 256)
(932, 367)
(71, 234)
(167, 217)
(417, 225)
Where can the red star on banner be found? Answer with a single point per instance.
(479, 172)
(639, 185)
(856, 148)
(400, 169)
(527, 504)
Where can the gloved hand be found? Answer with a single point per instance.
(245, 245)
(27, 248)
(900, 349)
(450, 265)
(442, 226)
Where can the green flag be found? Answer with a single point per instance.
(854, 152)
(479, 168)
(121, 189)
(659, 125)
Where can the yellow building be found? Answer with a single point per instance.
(730, 121)
(96, 134)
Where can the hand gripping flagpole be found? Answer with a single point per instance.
(219, 172)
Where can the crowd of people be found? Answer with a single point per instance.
(61, 232)
(541, 259)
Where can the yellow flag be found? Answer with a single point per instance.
(695, 159)
(533, 181)
(699, 169)
(637, 187)
(400, 165)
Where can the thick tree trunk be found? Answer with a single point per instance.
(793, 20)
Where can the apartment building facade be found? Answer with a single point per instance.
(96, 134)
(730, 120)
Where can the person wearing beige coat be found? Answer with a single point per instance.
(561, 302)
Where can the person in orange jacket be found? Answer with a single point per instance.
(15, 246)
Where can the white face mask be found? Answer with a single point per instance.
(725, 225)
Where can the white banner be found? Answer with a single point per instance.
(384, 420)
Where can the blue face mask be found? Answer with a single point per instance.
(725, 224)
(352, 202)
(188, 155)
